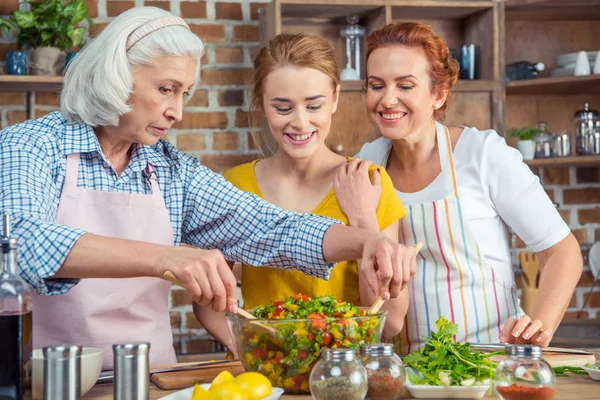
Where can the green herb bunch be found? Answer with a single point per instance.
(444, 362)
(52, 23)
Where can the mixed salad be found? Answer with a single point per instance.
(303, 327)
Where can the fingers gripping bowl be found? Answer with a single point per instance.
(286, 340)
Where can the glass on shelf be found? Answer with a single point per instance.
(353, 33)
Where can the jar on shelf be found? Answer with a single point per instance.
(338, 375)
(384, 369)
(585, 122)
(523, 374)
(543, 142)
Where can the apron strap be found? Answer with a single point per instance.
(72, 169)
(446, 160)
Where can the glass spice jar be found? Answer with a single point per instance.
(524, 375)
(384, 369)
(338, 375)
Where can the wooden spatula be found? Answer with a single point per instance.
(530, 264)
(379, 300)
(170, 276)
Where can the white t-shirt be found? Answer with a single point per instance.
(497, 190)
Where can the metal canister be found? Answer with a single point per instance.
(62, 372)
(562, 144)
(585, 121)
(132, 374)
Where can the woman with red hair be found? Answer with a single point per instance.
(464, 189)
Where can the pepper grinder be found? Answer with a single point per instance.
(132, 373)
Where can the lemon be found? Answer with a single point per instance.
(199, 393)
(223, 377)
(226, 391)
(255, 385)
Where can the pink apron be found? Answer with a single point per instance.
(101, 312)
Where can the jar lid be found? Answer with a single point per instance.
(586, 113)
(377, 349)
(524, 350)
(338, 354)
(131, 349)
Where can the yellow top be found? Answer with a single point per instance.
(261, 285)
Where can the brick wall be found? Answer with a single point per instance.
(214, 126)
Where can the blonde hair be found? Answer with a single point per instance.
(99, 81)
(286, 49)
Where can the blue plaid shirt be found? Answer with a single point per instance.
(205, 210)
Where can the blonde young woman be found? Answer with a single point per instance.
(296, 89)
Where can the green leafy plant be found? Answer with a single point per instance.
(525, 133)
(52, 23)
(6, 25)
(442, 361)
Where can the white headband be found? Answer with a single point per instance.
(152, 26)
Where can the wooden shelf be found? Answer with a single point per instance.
(425, 10)
(557, 162)
(553, 10)
(555, 86)
(30, 83)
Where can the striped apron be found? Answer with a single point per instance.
(453, 278)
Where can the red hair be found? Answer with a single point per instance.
(443, 69)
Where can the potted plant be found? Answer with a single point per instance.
(48, 30)
(526, 143)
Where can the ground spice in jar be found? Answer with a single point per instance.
(338, 388)
(518, 392)
(383, 386)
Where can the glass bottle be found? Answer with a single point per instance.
(15, 321)
(385, 371)
(524, 374)
(543, 141)
(338, 375)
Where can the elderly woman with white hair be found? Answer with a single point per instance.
(100, 202)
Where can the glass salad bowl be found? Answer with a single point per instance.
(285, 349)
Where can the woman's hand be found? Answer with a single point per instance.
(357, 195)
(205, 275)
(387, 265)
(524, 330)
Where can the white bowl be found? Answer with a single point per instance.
(91, 365)
(442, 392)
(593, 372)
(186, 394)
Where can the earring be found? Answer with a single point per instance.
(437, 106)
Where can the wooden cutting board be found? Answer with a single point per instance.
(183, 379)
(562, 360)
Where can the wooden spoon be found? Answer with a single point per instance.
(379, 300)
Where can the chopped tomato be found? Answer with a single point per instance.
(260, 353)
(326, 338)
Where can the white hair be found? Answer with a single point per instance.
(99, 81)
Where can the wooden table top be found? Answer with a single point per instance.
(574, 387)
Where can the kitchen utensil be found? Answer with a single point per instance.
(181, 379)
(491, 347)
(585, 121)
(131, 371)
(379, 300)
(562, 144)
(62, 372)
(530, 264)
(108, 376)
(170, 276)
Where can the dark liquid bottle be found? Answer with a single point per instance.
(15, 322)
